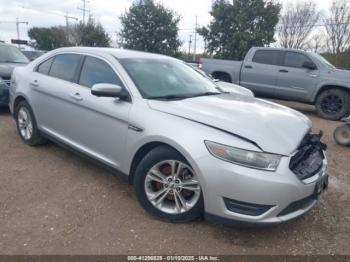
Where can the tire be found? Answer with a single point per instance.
(333, 104)
(147, 185)
(26, 125)
(342, 135)
(223, 77)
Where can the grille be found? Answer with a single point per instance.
(309, 157)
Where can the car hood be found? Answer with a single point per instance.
(232, 88)
(274, 128)
(7, 68)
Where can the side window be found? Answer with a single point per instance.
(268, 57)
(293, 59)
(97, 71)
(65, 66)
(45, 66)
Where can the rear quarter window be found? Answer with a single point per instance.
(65, 66)
(44, 67)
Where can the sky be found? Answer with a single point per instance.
(46, 13)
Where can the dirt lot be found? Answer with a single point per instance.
(54, 202)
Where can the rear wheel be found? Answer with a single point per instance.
(167, 187)
(333, 104)
(26, 125)
(224, 77)
(342, 135)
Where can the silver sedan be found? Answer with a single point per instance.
(189, 148)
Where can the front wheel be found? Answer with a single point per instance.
(333, 104)
(342, 135)
(167, 187)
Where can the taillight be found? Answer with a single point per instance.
(200, 64)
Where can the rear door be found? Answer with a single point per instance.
(294, 81)
(259, 72)
(54, 84)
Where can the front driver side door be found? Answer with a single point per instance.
(100, 123)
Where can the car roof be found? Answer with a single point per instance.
(279, 49)
(118, 53)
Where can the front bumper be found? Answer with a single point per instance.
(281, 193)
(4, 94)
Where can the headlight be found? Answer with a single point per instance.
(252, 159)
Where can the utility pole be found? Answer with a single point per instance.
(67, 24)
(84, 10)
(189, 47)
(17, 22)
(195, 40)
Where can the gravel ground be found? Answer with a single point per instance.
(54, 202)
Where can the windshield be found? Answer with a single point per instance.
(157, 78)
(323, 60)
(11, 54)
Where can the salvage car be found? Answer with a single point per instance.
(289, 74)
(10, 57)
(188, 148)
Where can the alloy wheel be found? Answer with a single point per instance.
(332, 104)
(172, 187)
(25, 124)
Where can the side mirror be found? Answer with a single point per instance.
(309, 65)
(109, 90)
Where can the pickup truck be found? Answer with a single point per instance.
(289, 74)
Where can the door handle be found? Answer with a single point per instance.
(76, 97)
(284, 71)
(35, 83)
(248, 66)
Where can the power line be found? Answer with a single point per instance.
(84, 10)
(316, 25)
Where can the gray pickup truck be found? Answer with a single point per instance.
(288, 74)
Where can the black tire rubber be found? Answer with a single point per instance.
(157, 155)
(224, 77)
(36, 138)
(344, 97)
(342, 135)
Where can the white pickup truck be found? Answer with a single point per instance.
(288, 74)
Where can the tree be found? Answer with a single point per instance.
(90, 34)
(47, 38)
(316, 42)
(297, 23)
(238, 25)
(149, 26)
(338, 29)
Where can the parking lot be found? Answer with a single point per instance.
(55, 202)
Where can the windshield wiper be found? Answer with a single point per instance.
(169, 97)
(208, 94)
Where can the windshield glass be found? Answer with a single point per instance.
(323, 60)
(11, 54)
(167, 77)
